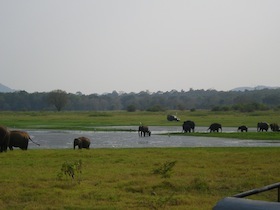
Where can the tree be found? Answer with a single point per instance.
(58, 98)
(131, 108)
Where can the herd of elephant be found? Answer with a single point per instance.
(16, 138)
(189, 126)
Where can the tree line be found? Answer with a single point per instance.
(145, 101)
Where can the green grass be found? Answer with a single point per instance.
(124, 178)
(236, 135)
(88, 120)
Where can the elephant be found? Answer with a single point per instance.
(172, 118)
(144, 130)
(242, 128)
(81, 142)
(188, 126)
(19, 139)
(4, 138)
(215, 127)
(262, 126)
(274, 127)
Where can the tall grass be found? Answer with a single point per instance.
(125, 178)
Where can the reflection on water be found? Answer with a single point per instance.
(52, 139)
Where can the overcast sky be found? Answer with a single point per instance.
(98, 46)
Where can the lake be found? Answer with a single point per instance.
(62, 139)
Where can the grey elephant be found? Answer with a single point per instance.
(262, 126)
(274, 127)
(215, 127)
(19, 139)
(143, 130)
(242, 128)
(4, 138)
(188, 126)
(81, 142)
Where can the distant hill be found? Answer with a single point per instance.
(5, 89)
(260, 87)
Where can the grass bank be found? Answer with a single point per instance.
(235, 135)
(126, 178)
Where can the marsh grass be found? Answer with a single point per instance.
(124, 178)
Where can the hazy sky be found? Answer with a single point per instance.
(98, 46)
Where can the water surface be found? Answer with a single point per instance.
(57, 139)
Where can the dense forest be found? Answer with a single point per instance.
(171, 100)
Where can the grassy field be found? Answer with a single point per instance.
(126, 178)
(134, 178)
(90, 120)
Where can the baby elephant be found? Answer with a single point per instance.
(242, 128)
(81, 142)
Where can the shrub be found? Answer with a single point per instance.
(71, 170)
